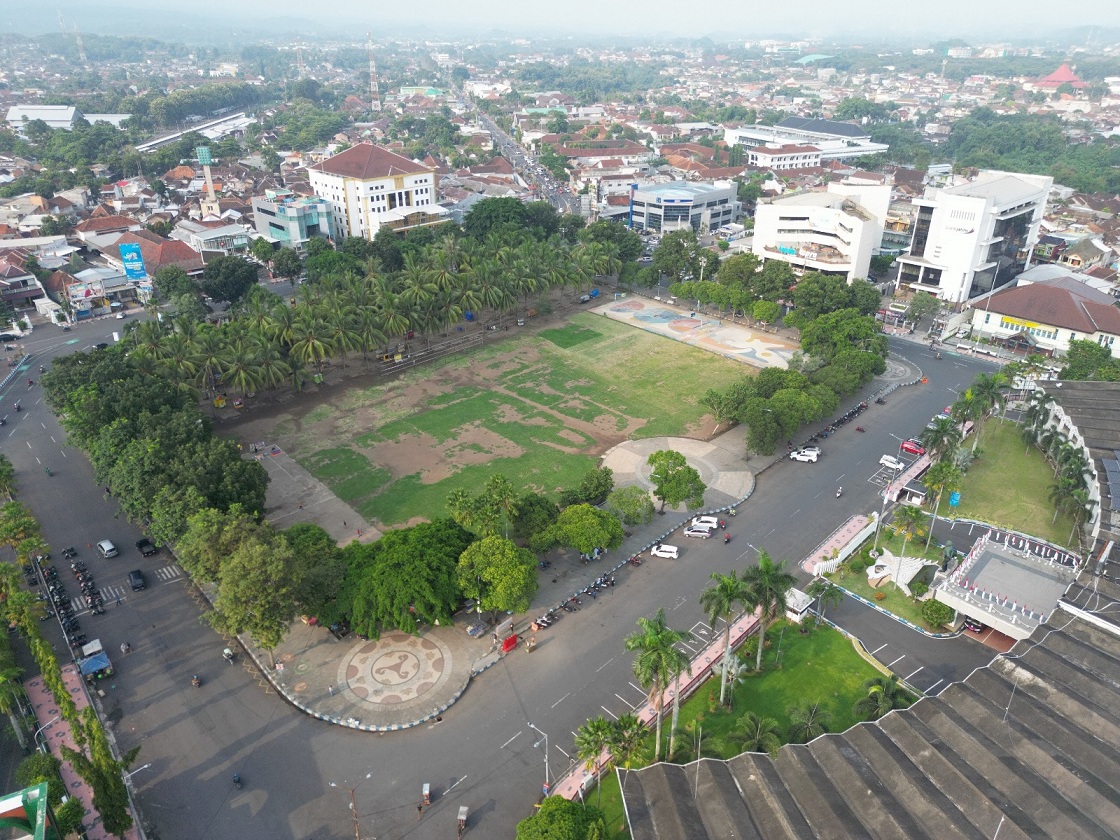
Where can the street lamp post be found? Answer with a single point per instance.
(128, 776)
(544, 737)
(353, 806)
(35, 737)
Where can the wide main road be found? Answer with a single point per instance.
(483, 754)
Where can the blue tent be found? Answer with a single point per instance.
(96, 666)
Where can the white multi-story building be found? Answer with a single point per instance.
(834, 140)
(677, 205)
(975, 236)
(368, 187)
(826, 232)
(784, 157)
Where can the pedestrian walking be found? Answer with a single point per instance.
(419, 811)
(330, 690)
(511, 627)
(118, 601)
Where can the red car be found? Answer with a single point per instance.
(913, 447)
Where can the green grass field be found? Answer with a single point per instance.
(1009, 486)
(539, 409)
(821, 666)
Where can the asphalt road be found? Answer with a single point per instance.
(484, 754)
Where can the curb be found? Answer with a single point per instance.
(899, 619)
(866, 654)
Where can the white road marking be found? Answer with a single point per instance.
(561, 700)
(456, 784)
(609, 712)
(601, 667)
(510, 741)
(908, 677)
(929, 691)
(891, 664)
(879, 648)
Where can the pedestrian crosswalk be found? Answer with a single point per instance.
(112, 595)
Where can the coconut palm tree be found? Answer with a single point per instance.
(720, 601)
(884, 694)
(939, 478)
(1080, 507)
(312, 340)
(658, 663)
(909, 521)
(808, 721)
(942, 438)
(826, 593)
(768, 583)
(591, 739)
(756, 734)
(10, 691)
(7, 477)
(693, 743)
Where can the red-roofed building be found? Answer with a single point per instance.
(368, 187)
(1062, 76)
(99, 230)
(157, 253)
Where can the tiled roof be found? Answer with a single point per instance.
(1057, 306)
(366, 161)
(98, 224)
(159, 252)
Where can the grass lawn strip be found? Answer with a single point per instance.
(1009, 486)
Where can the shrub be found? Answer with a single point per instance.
(919, 588)
(936, 614)
(880, 595)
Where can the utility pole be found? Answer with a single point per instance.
(353, 807)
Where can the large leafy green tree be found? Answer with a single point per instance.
(584, 528)
(228, 278)
(498, 575)
(674, 481)
(317, 567)
(257, 590)
(631, 504)
(533, 514)
(560, 819)
(767, 584)
(827, 335)
(492, 214)
(407, 577)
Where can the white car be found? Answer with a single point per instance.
(669, 551)
(804, 455)
(698, 531)
(816, 450)
(891, 463)
(706, 522)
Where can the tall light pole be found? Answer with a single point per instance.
(353, 806)
(35, 737)
(545, 738)
(128, 776)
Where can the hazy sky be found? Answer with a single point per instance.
(966, 19)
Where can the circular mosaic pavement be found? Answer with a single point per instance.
(396, 668)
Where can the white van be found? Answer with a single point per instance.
(669, 551)
(705, 522)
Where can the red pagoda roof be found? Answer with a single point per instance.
(1062, 76)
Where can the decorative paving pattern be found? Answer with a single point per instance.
(397, 668)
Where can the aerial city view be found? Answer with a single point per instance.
(600, 422)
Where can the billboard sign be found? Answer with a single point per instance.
(133, 262)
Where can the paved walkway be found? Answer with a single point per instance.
(55, 733)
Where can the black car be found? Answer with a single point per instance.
(147, 547)
(136, 580)
(101, 345)
(8, 337)
(974, 625)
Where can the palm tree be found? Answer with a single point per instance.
(1080, 507)
(720, 601)
(884, 694)
(628, 739)
(657, 664)
(939, 478)
(756, 734)
(735, 673)
(990, 389)
(7, 477)
(909, 521)
(591, 739)
(692, 743)
(768, 583)
(808, 721)
(942, 438)
(827, 594)
(9, 696)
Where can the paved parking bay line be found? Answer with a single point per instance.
(511, 740)
(609, 712)
(929, 691)
(562, 699)
(604, 665)
(910, 676)
(892, 664)
(883, 645)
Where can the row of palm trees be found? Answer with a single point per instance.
(1069, 493)
(270, 344)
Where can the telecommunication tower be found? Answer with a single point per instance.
(209, 204)
(77, 38)
(374, 96)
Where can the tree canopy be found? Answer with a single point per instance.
(674, 481)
